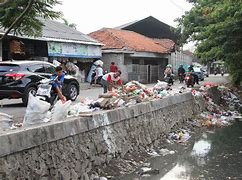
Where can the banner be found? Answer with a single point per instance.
(73, 50)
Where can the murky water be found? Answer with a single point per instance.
(211, 155)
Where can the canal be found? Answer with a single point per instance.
(211, 154)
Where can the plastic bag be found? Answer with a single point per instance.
(6, 121)
(36, 111)
(60, 110)
(56, 63)
(161, 85)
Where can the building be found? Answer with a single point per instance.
(138, 57)
(152, 28)
(164, 35)
(58, 42)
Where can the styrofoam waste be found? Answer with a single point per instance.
(36, 111)
(60, 110)
(6, 121)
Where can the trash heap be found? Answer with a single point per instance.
(134, 93)
(218, 115)
(215, 116)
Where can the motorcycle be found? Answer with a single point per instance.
(181, 77)
(222, 73)
(45, 92)
(189, 80)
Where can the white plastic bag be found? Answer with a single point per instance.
(36, 111)
(6, 121)
(60, 110)
(56, 63)
(161, 85)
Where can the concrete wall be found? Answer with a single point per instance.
(118, 58)
(177, 58)
(74, 148)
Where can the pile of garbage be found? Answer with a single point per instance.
(134, 93)
(219, 115)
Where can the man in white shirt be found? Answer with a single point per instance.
(111, 80)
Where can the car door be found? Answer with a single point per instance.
(49, 70)
(37, 71)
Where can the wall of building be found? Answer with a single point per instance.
(118, 59)
(74, 148)
(177, 58)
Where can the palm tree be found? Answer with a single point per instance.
(72, 25)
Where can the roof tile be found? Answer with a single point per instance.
(127, 40)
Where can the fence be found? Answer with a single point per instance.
(143, 73)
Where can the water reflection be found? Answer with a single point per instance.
(177, 173)
(213, 156)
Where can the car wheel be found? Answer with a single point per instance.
(72, 90)
(32, 90)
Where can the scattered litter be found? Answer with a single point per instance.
(179, 136)
(147, 171)
(165, 152)
(153, 153)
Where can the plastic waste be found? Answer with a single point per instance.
(161, 85)
(36, 111)
(60, 110)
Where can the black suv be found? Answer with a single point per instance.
(19, 78)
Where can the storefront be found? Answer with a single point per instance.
(81, 55)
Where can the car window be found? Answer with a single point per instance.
(8, 67)
(37, 68)
(49, 69)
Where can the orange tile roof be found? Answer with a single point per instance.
(127, 40)
(166, 43)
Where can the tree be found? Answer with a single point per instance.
(215, 26)
(72, 25)
(23, 17)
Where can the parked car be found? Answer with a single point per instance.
(200, 74)
(19, 78)
(205, 72)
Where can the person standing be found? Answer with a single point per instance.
(98, 75)
(111, 80)
(113, 67)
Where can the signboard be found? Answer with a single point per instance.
(58, 49)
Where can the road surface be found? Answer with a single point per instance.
(15, 107)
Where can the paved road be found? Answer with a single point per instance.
(15, 107)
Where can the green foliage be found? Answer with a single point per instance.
(215, 26)
(72, 25)
(31, 24)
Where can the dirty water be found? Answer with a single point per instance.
(213, 154)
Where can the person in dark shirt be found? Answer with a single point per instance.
(181, 73)
(113, 67)
(190, 69)
(58, 79)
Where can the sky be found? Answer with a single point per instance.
(92, 15)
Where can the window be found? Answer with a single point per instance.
(37, 68)
(49, 69)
